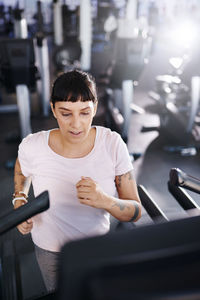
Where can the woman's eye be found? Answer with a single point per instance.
(65, 115)
(83, 114)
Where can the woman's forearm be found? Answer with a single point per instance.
(19, 178)
(123, 210)
(19, 184)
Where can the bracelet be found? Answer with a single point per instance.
(20, 192)
(19, 198)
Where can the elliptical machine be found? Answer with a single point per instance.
(72, 35)
(177, 105)
(130, 54)
(18, 74)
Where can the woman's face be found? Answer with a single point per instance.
(74, 119)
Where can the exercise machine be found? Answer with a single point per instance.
(72, 36)
(126, 69)
(131, 50)
(178, 183)
(20, 24)
(42, 62)
(178, 108)
(150, 205)
(85, 34)
(18, 75)
(149, 262)
(159, 261)
(10, 276)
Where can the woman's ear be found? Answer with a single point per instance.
(53, 110)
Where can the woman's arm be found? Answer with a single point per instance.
(128, 206)
(125, 208)
(19, 183)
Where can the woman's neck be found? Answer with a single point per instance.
(72, 150)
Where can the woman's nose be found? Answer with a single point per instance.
(75, 122)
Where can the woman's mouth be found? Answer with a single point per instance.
(75, 133)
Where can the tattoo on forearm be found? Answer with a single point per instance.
(118, 179)
(121, 205)
(136, 213)
(19, 178)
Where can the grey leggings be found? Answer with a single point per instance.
(48, 262)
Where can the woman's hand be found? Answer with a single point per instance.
(125, 208)
(90, 193)
(26, 226)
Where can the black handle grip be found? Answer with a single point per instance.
(24, 212)
(179, 178)
(173, 176)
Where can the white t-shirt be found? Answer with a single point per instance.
(67, 219)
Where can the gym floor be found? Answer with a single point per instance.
(151, 169)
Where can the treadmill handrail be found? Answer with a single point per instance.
(152, 208)
(182, 197)
(180, 178)
(24, 212)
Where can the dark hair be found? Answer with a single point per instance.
(73, 86)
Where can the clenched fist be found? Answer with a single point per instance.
(90, 193)
(26, 226)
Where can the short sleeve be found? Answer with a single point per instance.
(123, 162)
(24, 156)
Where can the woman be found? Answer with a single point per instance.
(86, 169)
